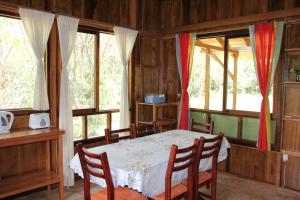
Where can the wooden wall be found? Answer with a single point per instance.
(117, 12)
(176, 13)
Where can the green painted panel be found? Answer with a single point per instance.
(198, 116)
(251, 126)
(226, 124)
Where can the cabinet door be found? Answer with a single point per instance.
(291, 135)
(291, 173)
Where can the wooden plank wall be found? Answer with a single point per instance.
(117, 12)
(176, 13)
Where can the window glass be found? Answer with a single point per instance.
(82, 71)
(96, 125)
(197, 79)
(206, 84)
(17, 66)
(78, 128)
(110, 73)
(242, 90)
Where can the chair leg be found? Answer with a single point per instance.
(208, 185)
(213, 190)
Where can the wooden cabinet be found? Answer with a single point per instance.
(165, 115)
(30, 159)
(290, 145)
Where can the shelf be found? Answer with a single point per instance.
(163, 122)
(25, 182)
(292, 83)
(292, 50)
(291, 118)
(159, 104)
(291, 153)
(28, 136)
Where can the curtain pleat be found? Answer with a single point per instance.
(37, 25)
(184, 55)
(125, 39)
(266, 44)
(67, 29)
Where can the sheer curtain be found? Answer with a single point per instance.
(67, 29)
(37, 25)
(125, 39)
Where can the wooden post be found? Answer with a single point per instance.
(97, 71)
(60, 166)
(235, 60)
(85, 127)
(207, 78)
(108, 120)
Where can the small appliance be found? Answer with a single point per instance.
(39, 120)
(155, 98)
(6, 120)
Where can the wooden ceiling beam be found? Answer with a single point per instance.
(201, 44)
(238, 21)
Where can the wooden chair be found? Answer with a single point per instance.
(97, 165)
(113, 136)
(180, 159)
(202, 127)
(210, 148)
(146, 129)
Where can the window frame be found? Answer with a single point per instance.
(240, 114)
(84, 113)
(28, 111)
(225, 111)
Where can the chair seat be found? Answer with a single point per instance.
(121, 193)
(176, 191)
(203, 178)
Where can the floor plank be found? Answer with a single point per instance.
(229, 187)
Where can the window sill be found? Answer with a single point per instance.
(24, 111)
(230, 112)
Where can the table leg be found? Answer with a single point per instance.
(60, 167)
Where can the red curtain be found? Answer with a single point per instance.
(184, 40)
(264, 42)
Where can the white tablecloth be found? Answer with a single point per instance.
(141, 163)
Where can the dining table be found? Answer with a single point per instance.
(141, 163)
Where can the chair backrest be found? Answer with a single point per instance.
(96, 165)
(202, 127)
(146, 129)
(209, 148)
(113, 136)
(181, 159)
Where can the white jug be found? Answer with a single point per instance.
(6, 120)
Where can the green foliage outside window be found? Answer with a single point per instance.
(17, 66)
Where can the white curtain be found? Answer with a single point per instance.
(67, 30)
(37, 25)
(125, 39)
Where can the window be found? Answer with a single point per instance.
(110, 76)
(242, 87)
(95, 91)
(207, 77)
(206, 86)
(82, 71)
(17, 66)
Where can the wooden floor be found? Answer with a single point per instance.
(229, 188)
